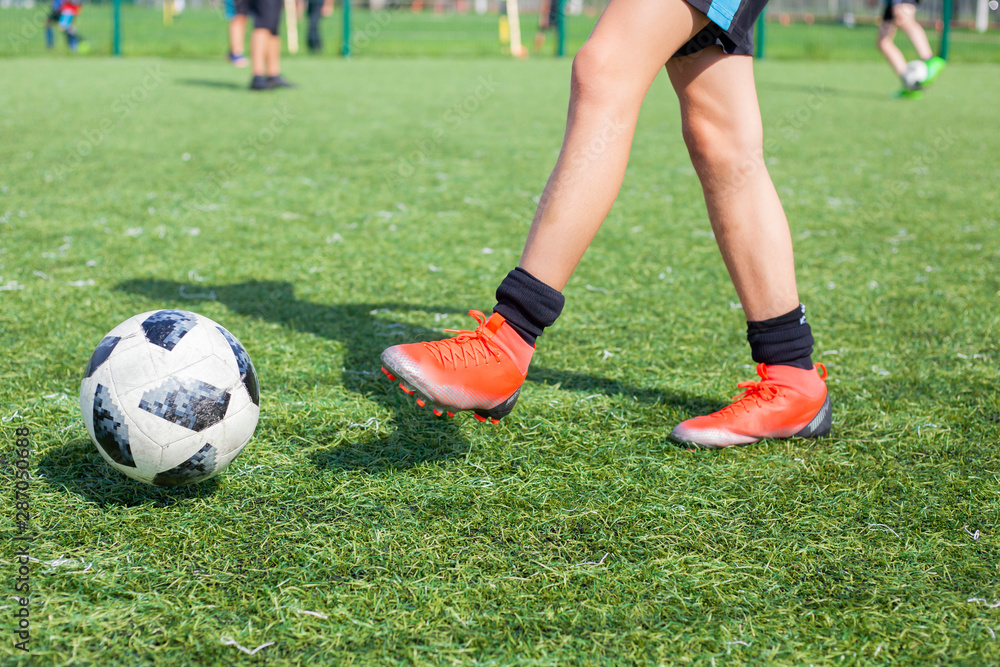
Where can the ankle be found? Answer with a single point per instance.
(527, 304)
(784, 340)
(518, 349)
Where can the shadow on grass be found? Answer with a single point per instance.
(365, 334)
(822, 90)
(211, 83)
(78, 468)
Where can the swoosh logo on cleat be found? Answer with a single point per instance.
(509, 403)
(816, 426)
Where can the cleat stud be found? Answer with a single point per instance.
(494, 421)
(403, 387)
(451, 414)
(437, 413)
(421, 402)
(388, 374)
(476, 415)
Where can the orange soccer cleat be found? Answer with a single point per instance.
(787, 402)
(479, 370)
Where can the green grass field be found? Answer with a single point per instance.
(377, 204)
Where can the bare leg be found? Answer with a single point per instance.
(274, 55)
(539, 42)
(905, 16)
(259, 45)
(237, 34)
(722, 129)
(886, 34)
(611, 75)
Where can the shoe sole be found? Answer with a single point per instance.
(817, 427)
(491, 416)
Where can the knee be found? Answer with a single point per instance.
(722, 147)
(593, 72)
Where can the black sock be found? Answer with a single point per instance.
(528, 304)
(786, 340)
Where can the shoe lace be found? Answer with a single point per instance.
(754, 393)
(467, 346)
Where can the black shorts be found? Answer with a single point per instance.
(731, 26)
(266, 14)
(887, 15)
(236, 8)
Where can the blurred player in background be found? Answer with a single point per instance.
(236, 14)
(705, 46)
(265, 45)
(548, 19)
(316, 10)
(63, 13)
(902, 14)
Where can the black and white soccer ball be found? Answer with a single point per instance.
(915, 75)
(170, 398)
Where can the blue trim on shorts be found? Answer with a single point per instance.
(721, 12)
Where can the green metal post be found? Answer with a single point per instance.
(946, 28)
(116, 28)
(561, 28)
(345, 50)
(759, 37)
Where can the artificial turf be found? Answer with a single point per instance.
(378, 203)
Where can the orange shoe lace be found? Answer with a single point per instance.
(467, 345)
(754, 392)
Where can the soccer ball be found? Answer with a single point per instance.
(170, 398)
(915, 74)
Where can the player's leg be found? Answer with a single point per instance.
(723, 132)
(886, 44)
(905, 17)
(236, 12)
(611, 75)
(265, 45)
(53, 19)
(482, 370)
(66, 25)
(274, 56)
(237, 36)
(314, 39)
(539, 40)
(260, 40)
